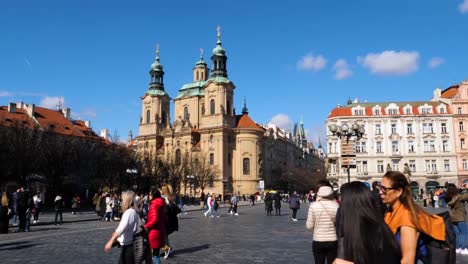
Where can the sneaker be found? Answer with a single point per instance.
(34, 221)
(464, 251)
(166, 253)
(204, 214)
(236, 214)
(218, 216)
(458, 250)
(294, 219)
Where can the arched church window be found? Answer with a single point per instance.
(228, 107)
(197, 76)
(186, 113)
(148, 116)
(246, 166)
(163, 117)
(212, 107)
(202, 76)
(211, 159)
(178, 160)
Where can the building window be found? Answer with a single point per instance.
(459, 110)
(364, 167)
(380, 168)
(426, 110)
(178, 160)
(361, 147)
(212, 107)
(395, 165)
(465, 164)
(461, 126)
(412, 165)
(433, 166)
(446, 165)
(378, 146)
(444, 128)
(392, 111)
(148, 116)
(211, 159)
(246, 166)
(377, 112)
(408, 111)
(445, 145)
(378, 130)
(186, 113)
(228, 107)
(427, 128)
(462, 143)
(411, 146)
(358, 112)
(429, 145)
(395, 147)
(334, 169)
(442, 110)
(394, 128)
(409, 128)
(163, 117)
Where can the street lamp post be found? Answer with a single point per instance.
(345, 131)
(190, 177)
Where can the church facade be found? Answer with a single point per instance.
(248, 156)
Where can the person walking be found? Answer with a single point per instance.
(456, 203)
(126, 230)
(277, 202)
(76, 204)
(268, 203)
(5, 213)
(294, 205)
(209, 203)
(405, 218)
(156, 224)
(365, 236)
(172, 210)
(15, 207)
(108, 214)
(58, 206)
(321, 219)
(234, 201)
(37, 207)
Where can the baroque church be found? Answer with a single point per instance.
(249, 157)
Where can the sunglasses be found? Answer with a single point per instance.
(386, 189)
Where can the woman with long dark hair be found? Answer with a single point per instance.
(456, 202)
(406, 219)
(366, 237)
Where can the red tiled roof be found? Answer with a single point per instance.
(244, 121)
(347, 110)
(450, 92)
(340, 111)
(18, 118)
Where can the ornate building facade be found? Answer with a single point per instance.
(416, 138)
(248, 156)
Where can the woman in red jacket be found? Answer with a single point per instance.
(156, 224)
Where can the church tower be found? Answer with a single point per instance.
(155, 105)
(217, 110)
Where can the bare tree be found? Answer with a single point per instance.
(205, 174)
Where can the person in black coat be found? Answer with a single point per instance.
(268, 203)
(277, 200)
(294, 204)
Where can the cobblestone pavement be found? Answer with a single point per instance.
(251, 237)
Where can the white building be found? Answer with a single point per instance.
(415, 138)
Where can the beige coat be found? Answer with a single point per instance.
(320, 218)
(457, 207)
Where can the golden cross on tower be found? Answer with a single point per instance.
(219, 31)
(201, 53)
(157, 49)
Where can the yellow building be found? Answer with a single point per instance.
(248, 156)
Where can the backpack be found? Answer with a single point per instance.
(433, 251)
(141, 246)
(438, 251)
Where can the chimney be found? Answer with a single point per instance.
(66, 113)
(20, 105)
(11, 108)
(105, 133)
(437, 93)
(30, 110)
(87, 124)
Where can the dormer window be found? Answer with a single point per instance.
(393, 111)
(426, 110)
(377, 112)
(358, 112)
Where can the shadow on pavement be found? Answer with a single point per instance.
(16, 245)
(191, 250)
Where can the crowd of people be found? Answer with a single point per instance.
(384, 225)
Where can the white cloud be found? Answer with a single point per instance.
(435, 62)
(5, 94)
(342, 70)
(311, 63)
(283, 121)
(391, 62)
(52, 102)
(317, 135)
(463, 7)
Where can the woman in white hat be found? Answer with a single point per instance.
(321, 219)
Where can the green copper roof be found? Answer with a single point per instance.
(156, 66)
(219, 79)
(218, 50)
(193, 85)
(156, 92)
(198, 91)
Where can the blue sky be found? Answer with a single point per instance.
(290, 59)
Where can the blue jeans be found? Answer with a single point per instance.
(460, 234)
(156, 258)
